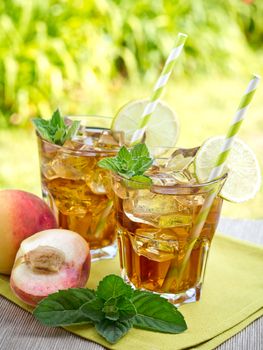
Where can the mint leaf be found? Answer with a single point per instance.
(140, 150)
(73, 129)
(142, 179)
(63, 308)
(59, 135)
(111, 310)
(126, 309)
(138, 182)
(141, 165)
(124, 155)
(56, 120)
(113, 286)
(110, 164)
(41, 126)
(114, 308)
(129, 163)
(93, 309)
(56, 130)
(156, 314)
(41, 123)
(119, 309)
(112, 331)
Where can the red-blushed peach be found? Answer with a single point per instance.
(49, 261)
(22, 214)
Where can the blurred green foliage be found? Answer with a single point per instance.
(74, 53)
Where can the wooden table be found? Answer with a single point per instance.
(20, 331)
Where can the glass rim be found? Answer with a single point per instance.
(88, 116)
(91, 151)
(177, 185)
(102, 151)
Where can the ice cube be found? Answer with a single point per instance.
(181, 159)
(68, 166)
(120, 189)
(73, 196)
(157, 210)
(179, 162)
(75, 144)
(98, 181)
(155, 244)
(169, 178)
(89, 137)
(70, 196)
(162, 179)
(109, 140)
(174, 220)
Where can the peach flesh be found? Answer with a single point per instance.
(22, 214)
(60, 259)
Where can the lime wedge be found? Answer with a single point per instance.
(243, 180)
(162, 130)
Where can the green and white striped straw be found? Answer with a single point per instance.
(234, 127)
(159, 87)
(225, 151)
(216, 172)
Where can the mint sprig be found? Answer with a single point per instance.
(130, 164)
(56, 130)
(113, 309)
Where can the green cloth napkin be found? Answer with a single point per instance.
(232, 298)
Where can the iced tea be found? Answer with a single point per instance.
(78, 191)
(154, 231)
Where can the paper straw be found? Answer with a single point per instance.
(216, 172)
(159, 87)
(225, 150)
(234, 127)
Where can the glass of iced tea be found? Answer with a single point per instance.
(76, 189)
(155, 226)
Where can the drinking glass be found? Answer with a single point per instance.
(76, 189)
(155, 226)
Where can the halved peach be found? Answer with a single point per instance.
(49, 261)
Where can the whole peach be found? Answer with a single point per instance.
(21, 215)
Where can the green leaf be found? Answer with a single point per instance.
(124, 155)
(157, 314)
(112, 331)
(129, 163)
(138, 182)
(73, 129)
(141, 165)
(93, 309)
(140, 150)
(119, 309)
(146, 180)
(55, 130)
(111, 310)
(59, 136)
(40, 122)
(109, 164)
(63, 308)
(56, 120)
(126, 174)
(126, 309)
(113, 286)
(41, 126)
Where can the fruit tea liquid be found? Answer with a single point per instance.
(154, 227)
(77, 190)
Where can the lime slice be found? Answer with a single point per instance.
(162, 130)
(243, 180)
